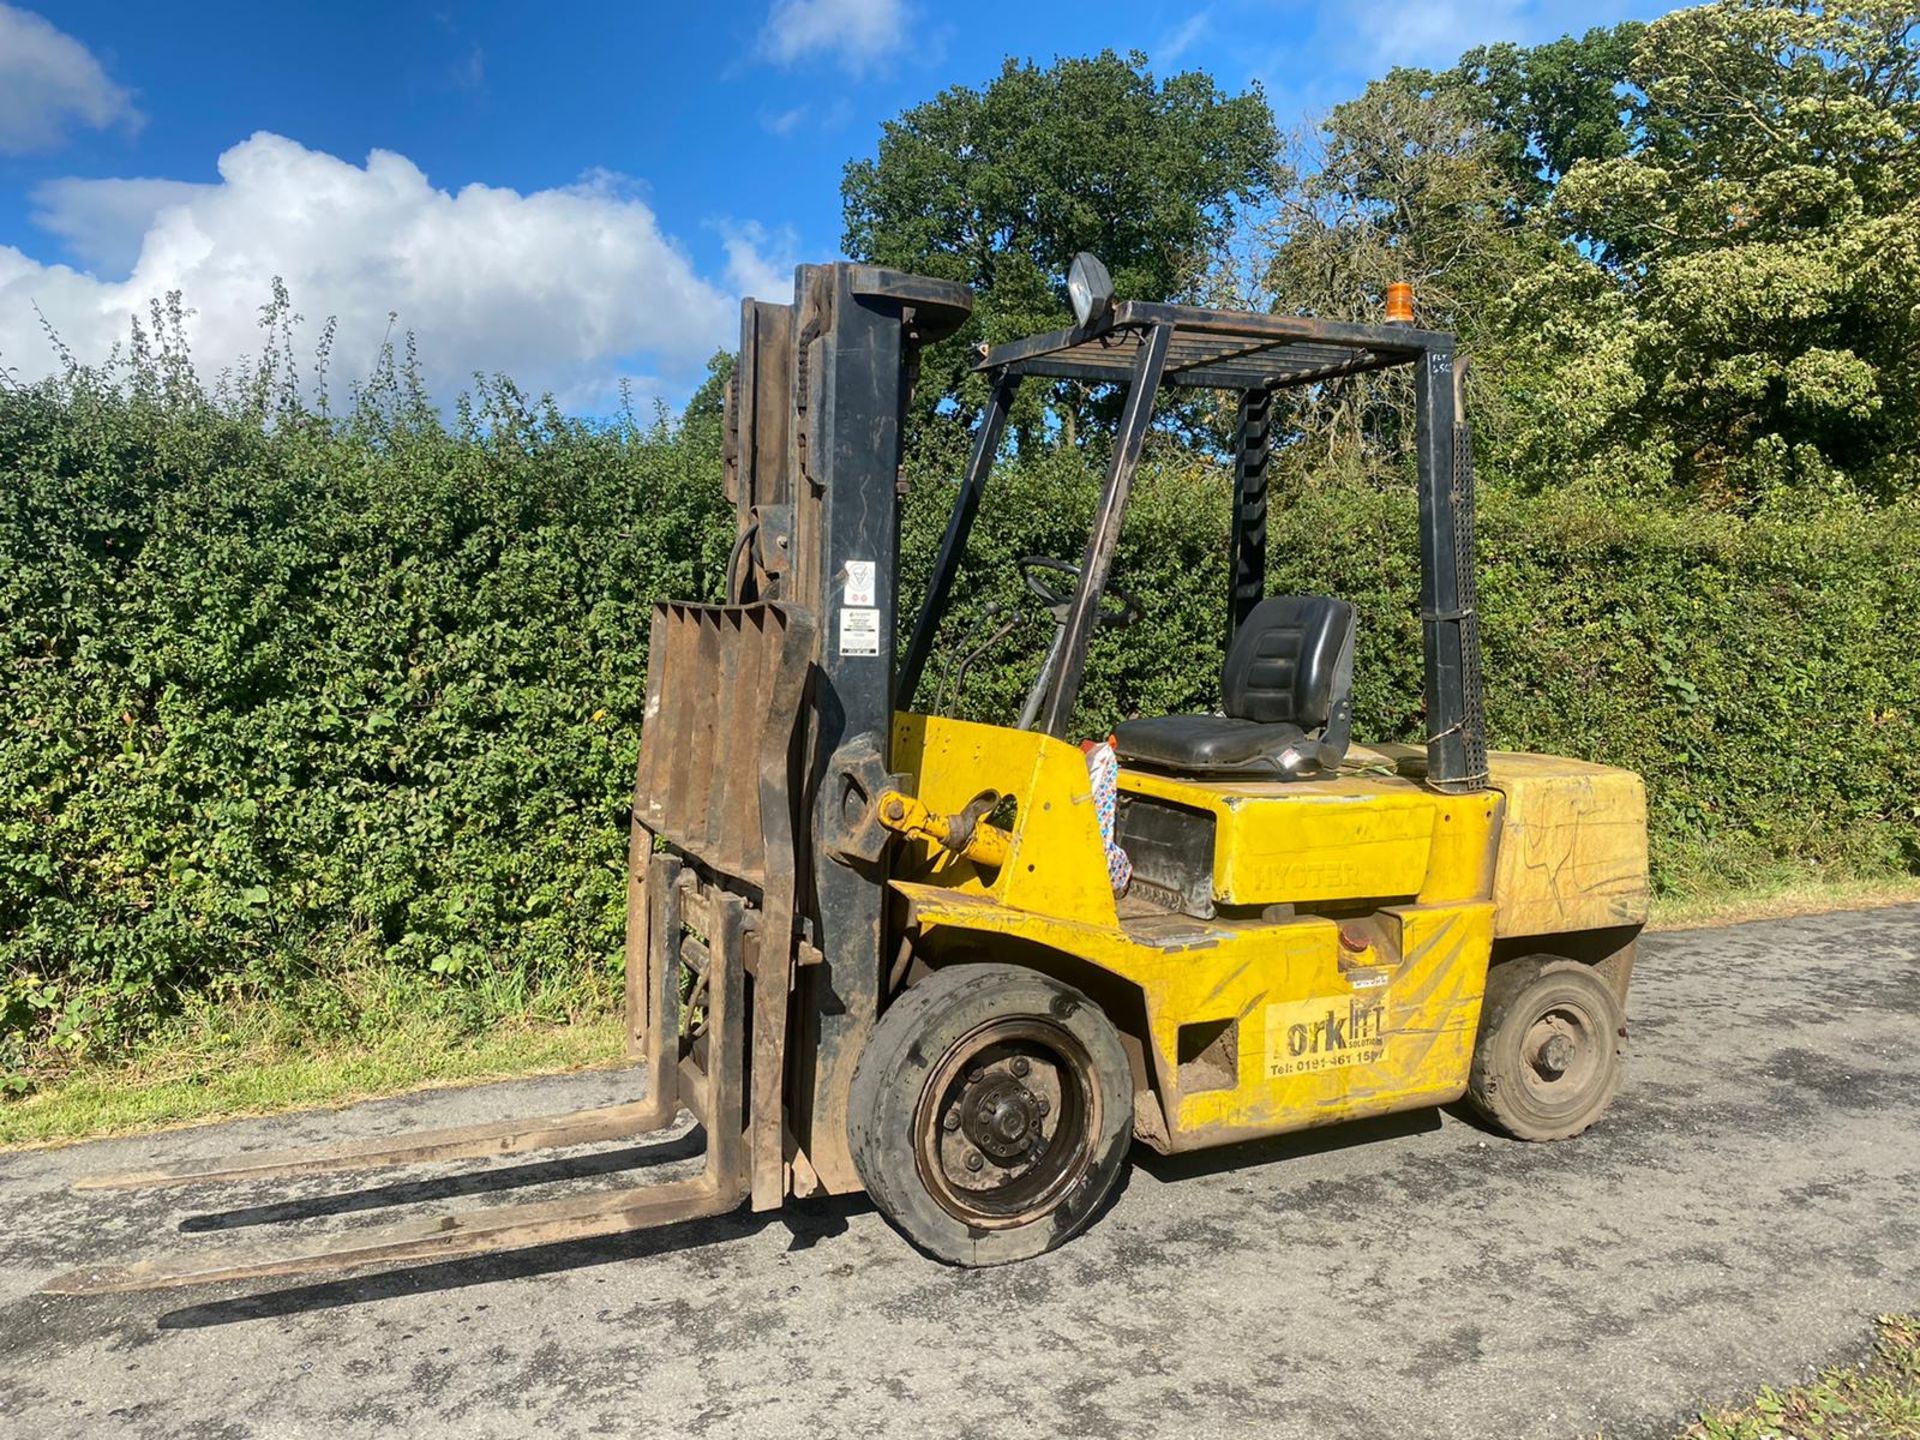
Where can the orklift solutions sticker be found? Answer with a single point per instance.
(1326, 1034)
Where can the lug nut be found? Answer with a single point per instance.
(976, 1074)
(974, 1162)
(952, 1119)
(1021, 1065)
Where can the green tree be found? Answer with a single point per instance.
(1682, 254)
(706, 410)
(1552, 105)
(999, 187)
(1411, 181)
(1765, 226)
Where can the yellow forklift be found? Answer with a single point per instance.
(964, 967)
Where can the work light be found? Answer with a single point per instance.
(1090, 288)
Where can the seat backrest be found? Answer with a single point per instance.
(1291, 662)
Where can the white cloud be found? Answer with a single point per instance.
(859, 32)
(751, 269)
(103, 221)
(563, 289)
(471, 72)
(818, 119)
(1182, 37)
(1430, 34)
(785, 122)
(48, 81)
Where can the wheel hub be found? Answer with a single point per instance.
(1554, 1057)
(1001, 1116)
(1559, 1051)
(1007, 1125)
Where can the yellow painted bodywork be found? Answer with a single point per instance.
(1342, 972)
(1573, 851)
(1354, 837)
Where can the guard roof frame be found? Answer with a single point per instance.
(1212, 349)
(1141, 346)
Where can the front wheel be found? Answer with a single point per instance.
(1551, 1048)
(990, 1113)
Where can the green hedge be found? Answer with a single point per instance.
(279, 705)
(282, 703)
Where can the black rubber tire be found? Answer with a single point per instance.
(1505, 1085)
(907, 1052)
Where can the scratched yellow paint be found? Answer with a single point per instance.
(1317, 1027)
(1573, 852)
(1572, 846)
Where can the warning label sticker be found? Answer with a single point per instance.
(1308, 1035)
(860, 587)
(859, 631)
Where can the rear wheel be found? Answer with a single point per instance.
(1550, 1053)
(990, 1113)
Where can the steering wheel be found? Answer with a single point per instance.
(1117, 607)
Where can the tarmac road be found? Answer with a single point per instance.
(1742, 1213)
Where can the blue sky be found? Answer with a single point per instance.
(574, 193)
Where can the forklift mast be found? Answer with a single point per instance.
(814, 426)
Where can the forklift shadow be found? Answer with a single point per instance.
(450, 1187)
(808, 1222)
(1171, 1169)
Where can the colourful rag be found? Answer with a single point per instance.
(1103, 770)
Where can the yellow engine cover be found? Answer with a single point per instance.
(1342, 972)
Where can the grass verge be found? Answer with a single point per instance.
(1781, 900)
(1876, 1400)
(249, 1065)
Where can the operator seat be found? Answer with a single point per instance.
(1287, 691)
